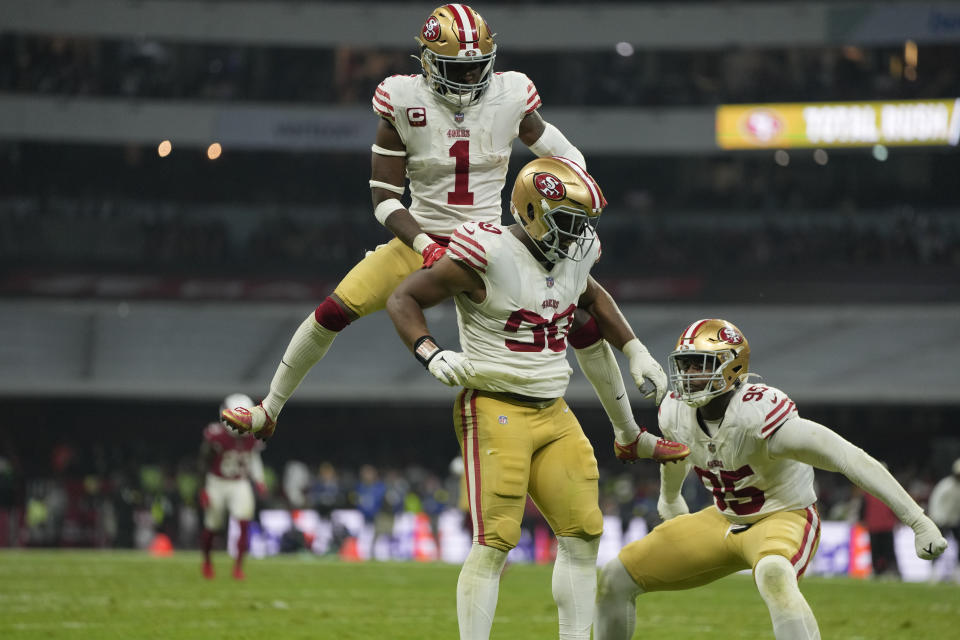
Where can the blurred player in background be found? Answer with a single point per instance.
(756, 455)
(516, 289)
(450, 131)
(944, 507)
(232, 462)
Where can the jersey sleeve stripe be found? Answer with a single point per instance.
(468, 250)
(386, 105)
(458, 252)
(467, 240)
(533, 107)
(777, 408)
(382, 92)
(774, 424)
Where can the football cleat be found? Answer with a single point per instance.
(662, 451)
(255, 421)
(238, 574)
(208, 570)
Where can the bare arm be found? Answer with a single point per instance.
(425, 288)
(600, 304)
(614, 328)
(392, 170)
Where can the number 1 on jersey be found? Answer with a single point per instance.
(461, 193)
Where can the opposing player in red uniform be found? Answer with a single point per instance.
(232, 461)
(450, 131)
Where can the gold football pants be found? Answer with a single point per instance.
(697, 548)
(510, 450)
(370, 282)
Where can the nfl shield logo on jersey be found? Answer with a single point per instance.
(502, 419)
(458, 117)
(549, 281)
(712, 448)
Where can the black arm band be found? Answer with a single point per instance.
(425, 349)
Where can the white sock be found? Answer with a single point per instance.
(477, 590)
(616, 616)
(307, 347)
(791, 615)
(600, 367)
(575, 586)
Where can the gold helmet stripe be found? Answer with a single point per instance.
(595, 196)
(466, 26)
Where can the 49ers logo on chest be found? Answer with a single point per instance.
(549, 186)
(431, 29)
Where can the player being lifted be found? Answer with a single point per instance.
(756, 455)
(232, 461)
(516, 289)
(450, 131)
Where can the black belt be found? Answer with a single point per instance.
(518, 399)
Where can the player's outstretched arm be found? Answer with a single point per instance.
(388, 170)
(614, 328)
(818, 446)
(423, 289)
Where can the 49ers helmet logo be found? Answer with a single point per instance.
(730, 336)
(549, 186)
(431, 29)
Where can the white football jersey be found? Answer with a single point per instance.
(517, 337)
(734, 465)
(456, 160)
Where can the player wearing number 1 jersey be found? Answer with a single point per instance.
(516, 289)
(450, 131)
(755, 454)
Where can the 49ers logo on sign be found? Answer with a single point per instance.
(549, 186)
(417, 116)
(730, 336)
(431, 29)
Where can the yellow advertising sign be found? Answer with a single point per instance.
(838, 124)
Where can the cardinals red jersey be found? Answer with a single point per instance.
(232, 452)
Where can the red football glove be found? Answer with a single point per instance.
(431, 253)
(261, 489)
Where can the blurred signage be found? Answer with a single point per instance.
(838, 124)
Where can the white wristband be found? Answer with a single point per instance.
(385, 208)
(420, 242)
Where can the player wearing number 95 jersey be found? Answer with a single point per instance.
(755, 454)
(450, 131)
(516, 289)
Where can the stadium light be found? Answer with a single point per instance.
(625, 49)
(781, 157)
(214, 151)
(164, 148)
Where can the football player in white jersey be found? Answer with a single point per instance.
(450, 132)
(516, 289)
(756, 455)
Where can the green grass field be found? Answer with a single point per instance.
(133, 596)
